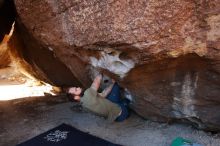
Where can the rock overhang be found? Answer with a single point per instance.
(173, 50)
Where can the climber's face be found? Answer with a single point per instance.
(75, 91)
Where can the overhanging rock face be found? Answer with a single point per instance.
(165, 53)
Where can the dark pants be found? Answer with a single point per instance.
(114, 96)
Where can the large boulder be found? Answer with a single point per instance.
(166, 54)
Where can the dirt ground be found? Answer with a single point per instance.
(22, 119)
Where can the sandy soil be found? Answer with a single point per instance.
(23, 119)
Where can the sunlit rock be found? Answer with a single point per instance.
(166, 54)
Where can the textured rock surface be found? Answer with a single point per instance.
(7, 16)
(165, 53)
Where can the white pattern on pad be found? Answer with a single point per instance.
(56, 136)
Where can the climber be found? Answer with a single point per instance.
(108, 103)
